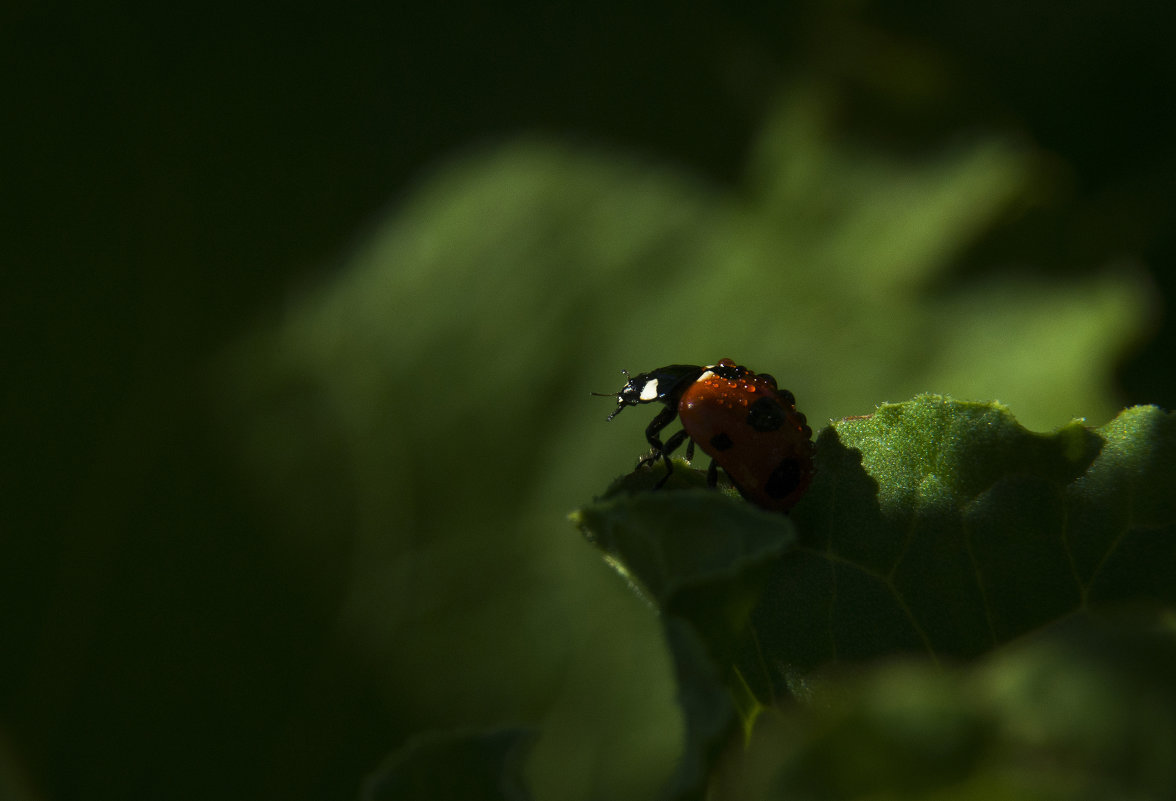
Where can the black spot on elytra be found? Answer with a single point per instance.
(765, 415)
(721, 442)
(784, 479)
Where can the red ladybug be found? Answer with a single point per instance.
(741, 419)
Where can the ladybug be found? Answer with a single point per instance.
(741, 419)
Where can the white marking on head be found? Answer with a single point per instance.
(649, 391)
(708, 375)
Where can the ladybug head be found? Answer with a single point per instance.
(664, 384)
(630, 394)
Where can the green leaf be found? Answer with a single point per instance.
(701, 557)
(946, 528)
(457, 766)
(934, 527)
(674, 544)
(1083, 710)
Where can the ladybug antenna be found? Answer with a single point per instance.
(625, 373)
(616, 395)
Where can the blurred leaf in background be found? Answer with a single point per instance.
(446, 375)
(477, 766)
(1084, 710)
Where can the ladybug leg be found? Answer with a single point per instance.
(663, 419)
(690, 451)
(671, 445)
(712, 474)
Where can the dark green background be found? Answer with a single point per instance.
(174, 175)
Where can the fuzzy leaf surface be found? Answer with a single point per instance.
(946, 528)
